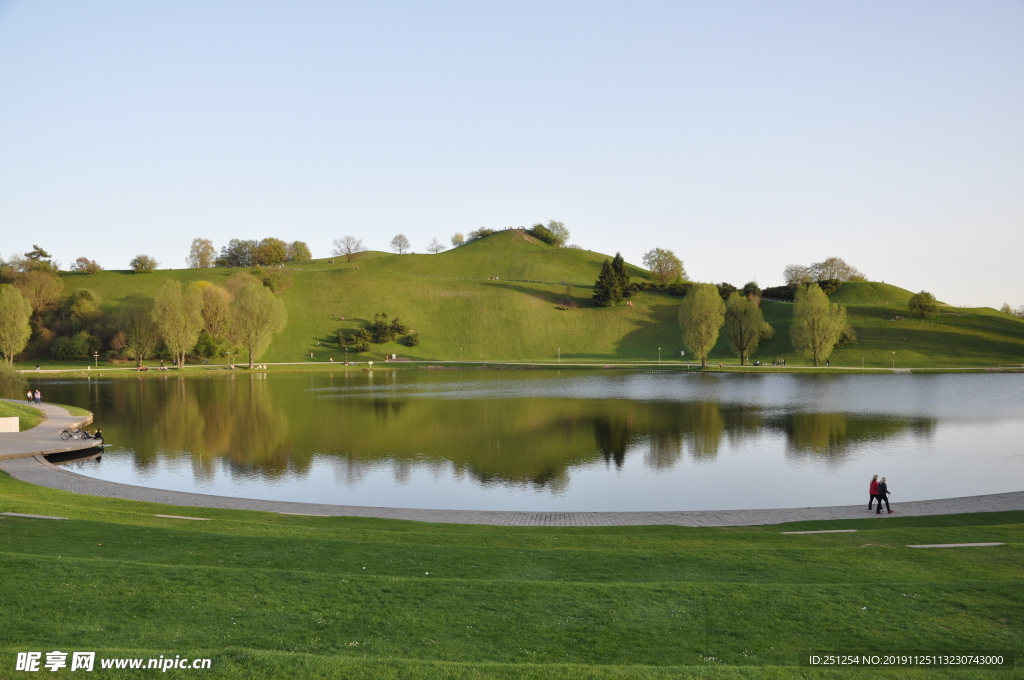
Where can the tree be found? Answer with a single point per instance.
(216, 309)
(923, 304)
(298, 251)
(621, 274)
(834, 268)
(179, 317)
(752, 291)
(237, 253)
(350, 247)
(436, 246)
(202, 254)
(256, 315)
(608, 287)
(664, 265)
(143, 264)
(559, 232)
(400, 243)
(41, 288)
(796, 274)
(135, 318)
(270, 252)
(701, 315)
(15, 330)
(817, 324)
(745, 326)
(80, 306)
(86, 266)
(458, 239)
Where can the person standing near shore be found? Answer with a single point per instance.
(872, 491)
(29, 395)
(883, 495)
(39, 397)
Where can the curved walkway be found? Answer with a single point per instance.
(44, 437)
(38, 471)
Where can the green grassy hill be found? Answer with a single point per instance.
(483, 302)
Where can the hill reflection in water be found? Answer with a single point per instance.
(275, 426)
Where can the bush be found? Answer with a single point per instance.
(277, 280)
(144, 264)
(363, 347)
(411, 340)
(829, 286)
(81, 345)
(12, 383)
(725, 290)
(359, 337)
(478, 234)
(86, 266)
(542, 233)
(783, 293)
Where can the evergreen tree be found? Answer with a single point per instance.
(607, 289)
(621, 275)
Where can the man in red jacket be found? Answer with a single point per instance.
(873, 490)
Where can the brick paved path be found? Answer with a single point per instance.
(38, 471)
(44, 437)
(17, 460)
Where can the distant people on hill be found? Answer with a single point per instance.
(883, 495)
(872, 492)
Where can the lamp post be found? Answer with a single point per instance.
(894, 361)
(559, 355)
(96, 357)
(460, 354)
(659, 355)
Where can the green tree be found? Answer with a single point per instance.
(664, 265)
(298, 251)
(621, 274)
(256, 315)
(745, 326)
(559, 234)
(817, 324)
(135, 319)
(701, 315)
(143, 264)
(15, 330)
(270, 252)
(608, 287)
(202, 254)
(178, 313)
(216, 309)
(42, 289)
(923, 304)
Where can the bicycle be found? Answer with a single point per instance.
(72, 433)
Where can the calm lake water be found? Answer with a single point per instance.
(550, 440)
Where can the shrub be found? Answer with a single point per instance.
(80, 345)
(829, 286)
(363, 347)
(277, 280)
(411, 340)
(86, 266)
(725, 290)
(144, 264)
(542, 233)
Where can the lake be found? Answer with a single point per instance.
(558, 440)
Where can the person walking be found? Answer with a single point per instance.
(29, 395)
(883, 495)
(872, 491)
(39, 397)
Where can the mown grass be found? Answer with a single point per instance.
(28, 417)
(480, 303)
(268, 596)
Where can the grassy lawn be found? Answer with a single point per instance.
(28, 417)
(487, 302)
(274, 596)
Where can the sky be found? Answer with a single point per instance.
(744, 136)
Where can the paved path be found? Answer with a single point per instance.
(45, 437)
(38, 471)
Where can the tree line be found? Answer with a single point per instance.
(199, 320)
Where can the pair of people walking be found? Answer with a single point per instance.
(34, 397)
(879, 492)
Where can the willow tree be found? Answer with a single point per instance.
(745, 326)
(256, 315)
(818, 325)
(178, 313)
(701, 316)
(15, 312)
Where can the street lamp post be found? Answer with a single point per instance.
(894, 361)
(460, 354)
(559, 355)
(659, 355)
(96, 357)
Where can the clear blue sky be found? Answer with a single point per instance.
(742, 135)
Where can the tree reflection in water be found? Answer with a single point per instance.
(272, 427)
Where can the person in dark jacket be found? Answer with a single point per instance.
(872, 491)
(883, 495)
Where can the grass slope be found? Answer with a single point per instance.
(454, 302)
(270, 596)
(28, 417)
